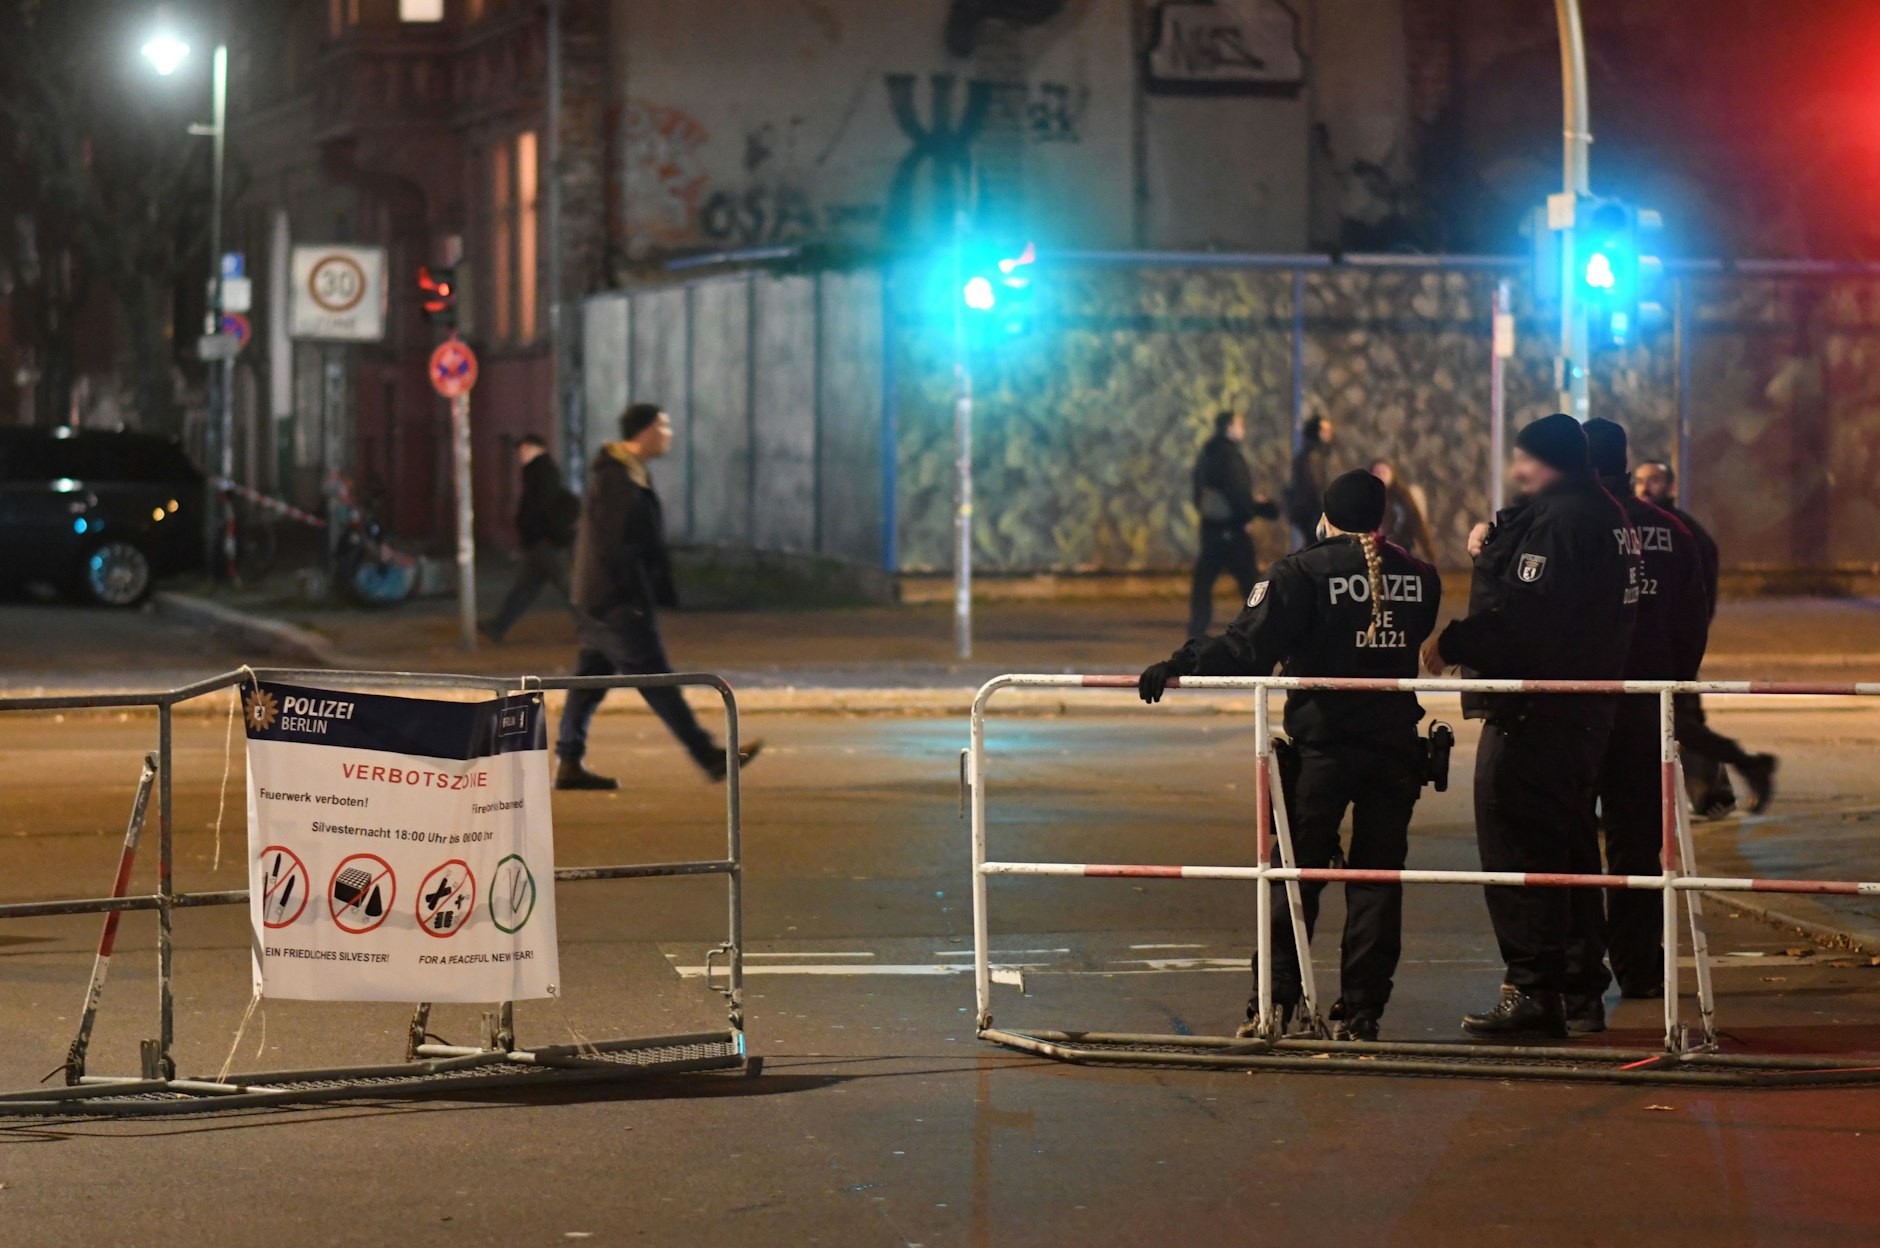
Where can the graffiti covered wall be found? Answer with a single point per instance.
(853, 120)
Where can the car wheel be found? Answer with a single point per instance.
(115, 574)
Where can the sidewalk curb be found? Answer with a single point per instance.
(1824, 934)
(274, 638)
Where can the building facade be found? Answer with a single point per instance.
(861, 128)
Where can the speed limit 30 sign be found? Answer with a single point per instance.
(338, 293)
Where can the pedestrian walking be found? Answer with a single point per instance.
(1706, 751)
(1349, 604)
(622, 577)
(1311, 473)
(1553, 597)
(1228, 506)
(1403, 513)
(546, 514)
(1668, 643)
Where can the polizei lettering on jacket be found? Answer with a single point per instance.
(1398, 587)
(303, 714)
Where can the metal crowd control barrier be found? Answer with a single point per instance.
(1684, 1058)
(501, 1061)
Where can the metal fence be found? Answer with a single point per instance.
(1684, 1057)
(427, 1067)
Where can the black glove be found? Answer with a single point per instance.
(1155, 677)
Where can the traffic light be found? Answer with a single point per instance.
(438, 289)
(996, 285)
(1615, 251)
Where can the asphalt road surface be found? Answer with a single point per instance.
(880, 1119)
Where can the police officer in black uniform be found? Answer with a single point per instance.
(1349, 604)
(1667, 644)
(1553, 597)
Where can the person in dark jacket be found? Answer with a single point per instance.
(1668, 641)
(1224, 497)
(545, 520)
(1553, 597)
(1311, 470)
(1706, 751)
(622, 576)
(1350, 604)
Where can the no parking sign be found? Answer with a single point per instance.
(453, 368)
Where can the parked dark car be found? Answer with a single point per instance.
(99, 514)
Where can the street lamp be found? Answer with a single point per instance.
(166, 53)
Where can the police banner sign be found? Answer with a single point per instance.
(400, 849)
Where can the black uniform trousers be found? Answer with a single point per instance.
(1623, 924)
(543, 564)
(1223, 549)
(626, 643)
(1533, 775)
(1379, 778)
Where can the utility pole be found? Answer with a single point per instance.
(569, 415)
(1576, 183)
(963, 449)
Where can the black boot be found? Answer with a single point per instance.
(572, 775)
(1520, 1015)
(1358, 1023)
(1586, 1014)
(714, 763)
(1759, 773)
(1291, 1021)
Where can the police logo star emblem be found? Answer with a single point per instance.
(1531, 567)
(1258, 595)
(262, 710)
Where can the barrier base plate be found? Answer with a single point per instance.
(453, 1070)
(1455, 1060)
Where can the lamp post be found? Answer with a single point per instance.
(1575, 186)
(167, 53)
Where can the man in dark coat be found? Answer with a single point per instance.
(1311, 473)
(622, 576)
(1667, 644)
(1706, 750)
(545, 519)
(1553, 597)
(1228, 506)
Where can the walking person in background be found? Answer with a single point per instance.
(622, 576)
(1223, 494)
(1706, 751)
(1311, 473)
(1403, 513)
(545, 520)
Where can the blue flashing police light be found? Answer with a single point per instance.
(997, 286)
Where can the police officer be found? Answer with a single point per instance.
(1553, 597)
(1349, 604)
(1667, 644)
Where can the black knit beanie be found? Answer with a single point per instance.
(1605, 443)
(1557, 441)
(1355, 502)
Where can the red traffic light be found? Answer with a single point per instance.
(438, 288)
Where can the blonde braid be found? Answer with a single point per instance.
(1374, 572)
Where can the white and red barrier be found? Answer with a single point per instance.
(1678, 879)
